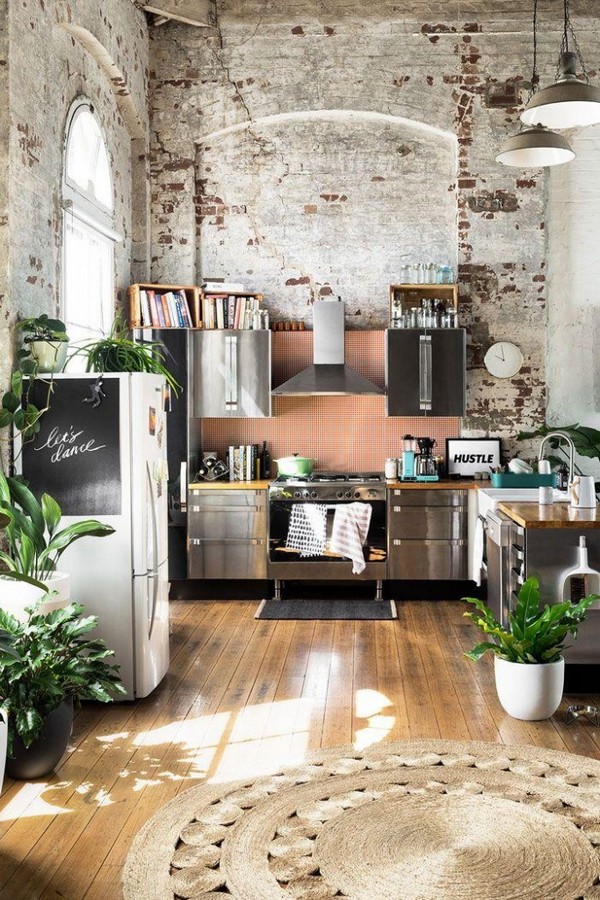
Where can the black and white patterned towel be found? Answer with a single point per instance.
(307, 531)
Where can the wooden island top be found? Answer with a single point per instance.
(552, 515)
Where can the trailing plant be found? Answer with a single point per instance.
(535, 634)
(16, 409)
(35, 544)
(118, 353)
(46, 660)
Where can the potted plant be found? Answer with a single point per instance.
(529, 663)
(46, 665)
(118, 353)
(47, 340)
(34, 547)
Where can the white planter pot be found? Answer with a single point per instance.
(50, 355)
(3, 738)
(17, 596)
(529, 691)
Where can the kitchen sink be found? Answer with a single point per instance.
(489, 498)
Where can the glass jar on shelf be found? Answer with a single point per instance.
(445, 274)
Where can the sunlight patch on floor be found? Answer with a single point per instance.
(28, 803)
(369, 705)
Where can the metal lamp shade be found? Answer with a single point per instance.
(535, 148)
(568, 103)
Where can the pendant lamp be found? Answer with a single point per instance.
(569, 102)
(535, 147)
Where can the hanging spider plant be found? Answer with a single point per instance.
(118, 353)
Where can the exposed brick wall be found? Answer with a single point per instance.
(254, 176)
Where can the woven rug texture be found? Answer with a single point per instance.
(411, 820)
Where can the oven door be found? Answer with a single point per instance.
(285, 562)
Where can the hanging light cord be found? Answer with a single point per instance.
(564, 45)
(534, 72)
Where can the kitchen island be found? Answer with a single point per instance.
(543, 541)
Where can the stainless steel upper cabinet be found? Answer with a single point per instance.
(231, 374)
(426, 372)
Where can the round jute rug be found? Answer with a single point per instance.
(417, 820)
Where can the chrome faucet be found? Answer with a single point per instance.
(565, 437)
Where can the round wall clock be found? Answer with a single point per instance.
(503, 360)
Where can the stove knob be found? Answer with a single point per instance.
(340, 494)
(348, 494)
(297, 494)
(306, 494)
(357, 494)
(314, 495)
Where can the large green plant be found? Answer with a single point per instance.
(35, 544)
(535, 634)
(46, 660)
(118, 353)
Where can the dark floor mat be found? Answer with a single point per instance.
(326, 609)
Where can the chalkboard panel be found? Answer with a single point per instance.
(75, 457)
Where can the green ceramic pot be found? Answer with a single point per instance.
(295, 465)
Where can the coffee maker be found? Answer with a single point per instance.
(426, 468)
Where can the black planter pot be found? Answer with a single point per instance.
(45, 753)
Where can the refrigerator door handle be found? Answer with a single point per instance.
(154, 578)
(183, 486)
(154, 522)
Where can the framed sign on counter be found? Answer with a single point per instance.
(466, 456)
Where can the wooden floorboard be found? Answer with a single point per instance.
(242, 697)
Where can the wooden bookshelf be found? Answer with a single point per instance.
(192, 293)
(411, 295)
(210, 300)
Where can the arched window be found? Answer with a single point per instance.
(88, 228)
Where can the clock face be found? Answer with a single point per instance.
(503, 360)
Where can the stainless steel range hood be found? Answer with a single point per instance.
(329, 375)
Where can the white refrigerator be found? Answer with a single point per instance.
(101, 453)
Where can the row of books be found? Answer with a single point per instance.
(231, 311)
(168, 310)
(244, 463)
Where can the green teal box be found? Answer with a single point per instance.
(532, 480)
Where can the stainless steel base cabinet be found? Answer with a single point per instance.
(227, 534)
(427, 534)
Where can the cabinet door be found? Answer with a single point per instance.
(402, 372)
(426, 560)
(448, 382)
(231, 374)
(426, 372)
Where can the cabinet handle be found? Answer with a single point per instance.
(438, 543)
(199, 541)
(231, 375)
(225, 509)
(458, 509)
(425, 361)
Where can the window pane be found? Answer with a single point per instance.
(88, 281)
(87, 163)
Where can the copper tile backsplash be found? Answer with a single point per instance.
(346, 433)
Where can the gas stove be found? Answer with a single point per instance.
(323, 486)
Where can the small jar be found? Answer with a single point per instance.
(545, 496)
(391, 468)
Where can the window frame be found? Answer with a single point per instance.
(84, 206)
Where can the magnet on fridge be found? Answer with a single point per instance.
(151, 420)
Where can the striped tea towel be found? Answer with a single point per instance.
(350, 528)
(307, 529)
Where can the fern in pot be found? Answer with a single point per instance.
(529, 663)
(35, 544)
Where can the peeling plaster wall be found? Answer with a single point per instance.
(245, 169)
(573, 370)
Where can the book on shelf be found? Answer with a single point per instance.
(243, 462)
(223, 311)
(164, 309)
(222, 287)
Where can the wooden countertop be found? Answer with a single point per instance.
(396, 485)
(552, 515)
(229, 485)
(449, 485)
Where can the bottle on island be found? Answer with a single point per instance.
(265, 461)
